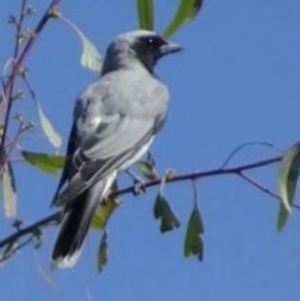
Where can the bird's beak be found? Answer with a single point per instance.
(170, 48)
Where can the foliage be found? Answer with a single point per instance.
(14, 126)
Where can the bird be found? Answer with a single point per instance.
(115, 119)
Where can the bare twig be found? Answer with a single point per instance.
(18, 60)
(30, 229)
(264, 189)
(241, 147)
(259, 186)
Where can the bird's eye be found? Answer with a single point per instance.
(151, 42)
(154, 42)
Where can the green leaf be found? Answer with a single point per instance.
(283, 216)
(187, 10)
(103, 252)
(9, 191)
(288, 175)
(104, 212)
(163, 211)
(45, 162)
(90, 57)
(48, 129)
(145, 12)
(147, 169)
(193, 243)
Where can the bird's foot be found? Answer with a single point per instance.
(139, 187)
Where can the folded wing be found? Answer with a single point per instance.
(107, 147)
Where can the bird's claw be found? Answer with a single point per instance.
(139, 187)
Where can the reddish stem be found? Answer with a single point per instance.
(17, 64)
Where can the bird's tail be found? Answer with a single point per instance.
(76, 220)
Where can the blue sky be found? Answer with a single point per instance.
(237, 81)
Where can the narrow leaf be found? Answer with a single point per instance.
(45, 162)
(9, 191)
(145, 12)
(147, 169)
(44, 275)
(105, 210)
(193, 244)
(158, 207)
(90, 57)
(162, 210)
(288, 176)
(48, 129)
(187, 10)
(283, 216)
(103, 252)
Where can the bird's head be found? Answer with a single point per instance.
(136, 48)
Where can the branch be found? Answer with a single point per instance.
(29, 229)
(132, 189)
(17, 63)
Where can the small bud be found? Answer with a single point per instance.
(55, 12)
(30, 11)
(12, 20)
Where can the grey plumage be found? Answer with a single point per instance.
(115, 121)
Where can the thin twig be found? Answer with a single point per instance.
(241, 147)
(11, 252)
(264, 189)
(30, 229)
(195, 191)
(259, 186)
(17, 64)
(8, 89)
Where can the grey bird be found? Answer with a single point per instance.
(115, 120)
